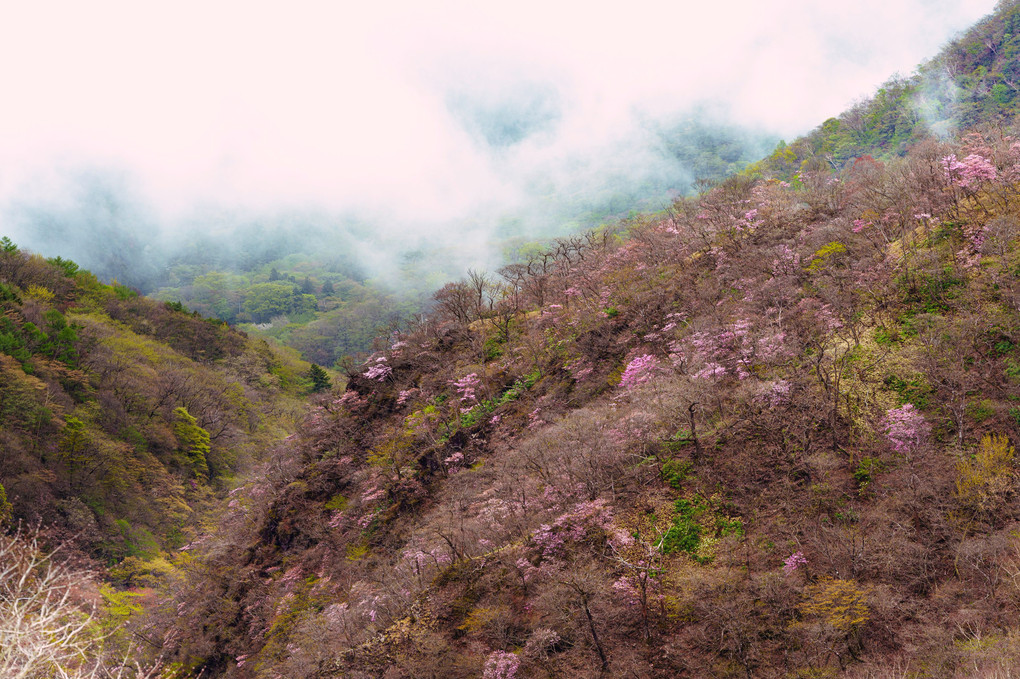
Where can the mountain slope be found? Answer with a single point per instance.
(766, 434)
(972, 83)
(122, 417)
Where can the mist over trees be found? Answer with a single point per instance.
(765, 429)
(347, 277)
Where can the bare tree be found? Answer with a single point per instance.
(46, 627)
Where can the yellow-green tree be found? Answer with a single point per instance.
(5, 507)
(834, 614)
(982, 480)
(193, 442)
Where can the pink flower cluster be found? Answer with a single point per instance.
(639, 371)
(455, 462)
(787, 261)
(466, 387)
(422, 560)
(580, 368)
(777, 393)
(627, 591)
(793, 562)
(905, 428)
(733, 350)
(970, 171)
(351, 400)
(572, 527)
(379, 371)
(501, 665)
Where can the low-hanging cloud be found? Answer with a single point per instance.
(433, 122)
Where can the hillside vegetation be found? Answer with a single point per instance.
(768, 434)
(972, 82)
(121, 417)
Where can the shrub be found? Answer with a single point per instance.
(837, 606)
(988, 474)
(866, 470)
(674, 472)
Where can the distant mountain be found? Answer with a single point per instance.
(972, 84)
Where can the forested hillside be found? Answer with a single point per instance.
(121, 417)
(972, 82)
(767, 432)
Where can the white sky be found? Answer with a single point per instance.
(344, 104)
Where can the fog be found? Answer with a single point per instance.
(131, 131)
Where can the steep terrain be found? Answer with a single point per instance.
(121, 417)
(766, 433)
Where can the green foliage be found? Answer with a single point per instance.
(355, 552)
(914, 390)
(473, 416)
(518, 388)
(176, 306)
(1003, 346)
(886, 337)
(1002, 94)
(678, 441)
(134, 571)
(5, 508)
(984, 478)
(75, 445)
(866, 469)
(1012, 369)
(12, 343)
(59, 341)
(120, 604)
(685, 533)
(675, 472)
(265, 300)
(981, 410)
(320, 379)
(8, 293)
(696, 526)
(193, 442)
(134, 541)
(123, 292)
(825, 255)
(838, 604)
(493, 348)
(729, 526)
(8, 246)
(930, 292)
(69, 268)
(336, 503)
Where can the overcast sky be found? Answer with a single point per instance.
(375, 105)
